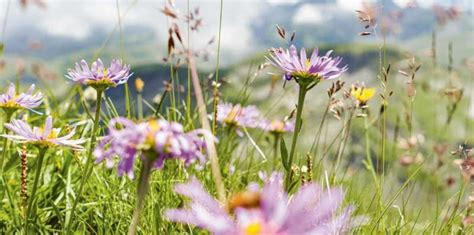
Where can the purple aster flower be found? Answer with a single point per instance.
(98, 76)
(28, 100)
(46, 136)
(267, 211)
(277, 126)
(238, 116)
(303, 69)
(158, 140)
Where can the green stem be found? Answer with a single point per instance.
(172, 92)
(88, 168)
(141, 195)
(275, 150)
(216, 98)
(128, 111)
(369, 164)
(140, 105)
(5, 144)
(39, 164)
(343, 143)
(299, 110)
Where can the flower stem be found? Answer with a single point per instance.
(141, 195)
(211, 148)
(216, 89)
(299, 110)
(88, 168)
(140, 105)
(5, 144)
(369, 164)
(39, 164)
(275, 150)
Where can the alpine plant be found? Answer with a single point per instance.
(268, 211)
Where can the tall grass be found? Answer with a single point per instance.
(398, 182)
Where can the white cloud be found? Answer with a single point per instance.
(352, 5)
(309, 13)
(282, 2)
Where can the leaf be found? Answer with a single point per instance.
(284, 154)
(1, 48)
(292, 185)
(4, 216)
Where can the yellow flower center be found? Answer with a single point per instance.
(103, 83)
(278, 126)
(11, 104)
(51, 135)
(232, 115)
(154, 127)
(247, 199)
(253, 229)
(305, 76)
(362, 94)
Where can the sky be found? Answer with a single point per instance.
(78, 18)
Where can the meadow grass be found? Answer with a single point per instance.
(391, 153)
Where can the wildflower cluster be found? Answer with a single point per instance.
(156, 140)
(11, 101)
(250, 117)
(265, 211)
(306, 71)
(98, 76)
(45, 136)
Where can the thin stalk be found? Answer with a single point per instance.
(433, 47)
(216, 92)
(172, 91)
(299, 110)
(316, 139)
(5, 144)
(410, 125)
(9, 115)
(369, 163)
(7, 191)
(160, 104)
(128, 111)
(126, 89)
(39, 164)
(343, 143)
(142, 190)
(275, 150)
(211, 148)
(188, 91)
(5, 20)
(88, 168)
(17, 82)
(140, 105)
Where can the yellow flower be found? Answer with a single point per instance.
(362, 94)
(253, 229)
(139, 84)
